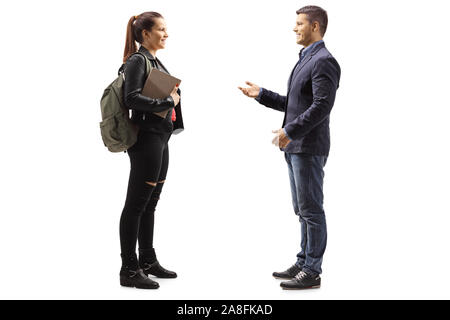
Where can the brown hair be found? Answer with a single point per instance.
(144, 21)
(316, 13)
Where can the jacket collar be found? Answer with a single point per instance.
(154, 61)
(312, 49)
(147, 53)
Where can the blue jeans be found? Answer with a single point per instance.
(306, 177)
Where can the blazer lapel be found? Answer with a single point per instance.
(303, 63)
(297, 69)
(290, 77)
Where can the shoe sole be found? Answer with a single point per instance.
(280, 278)
(150, 274)
(129, 285)
(313, 287)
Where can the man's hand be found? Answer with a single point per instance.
(251, 92)
(281, 139)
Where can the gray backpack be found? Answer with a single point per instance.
(117, 130)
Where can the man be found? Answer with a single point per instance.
(305, 139)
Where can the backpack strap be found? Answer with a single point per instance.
(148, 65)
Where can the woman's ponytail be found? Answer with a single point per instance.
(130, 41)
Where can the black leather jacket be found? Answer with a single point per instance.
(143, 107)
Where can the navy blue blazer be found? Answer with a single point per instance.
(307, 106)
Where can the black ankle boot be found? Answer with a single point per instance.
(137, 279)
(156, 270)
(132, 276)
(150, 265)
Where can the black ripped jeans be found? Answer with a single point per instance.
(149, 159)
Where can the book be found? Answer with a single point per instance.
(159, 85)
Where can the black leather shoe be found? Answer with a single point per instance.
(156, 270)
(288, 274)
(302, 280)
(136, 279)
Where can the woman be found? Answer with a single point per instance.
(149, 157)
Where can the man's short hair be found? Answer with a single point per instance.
(316, 13)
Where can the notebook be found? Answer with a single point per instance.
(159, 85)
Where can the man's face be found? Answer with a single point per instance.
(303, 29)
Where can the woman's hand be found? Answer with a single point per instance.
(175, 96)
(251, 92)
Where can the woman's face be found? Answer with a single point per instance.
(156, 38)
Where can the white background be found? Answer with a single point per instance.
(225, 220)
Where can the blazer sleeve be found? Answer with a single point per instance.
(325, 81)
(272, 100)
(135, 69)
